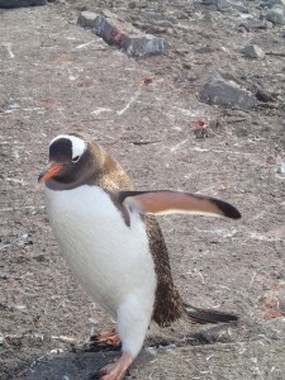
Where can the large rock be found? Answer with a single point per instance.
(276, 15)
(271, 3)
(21, 3)
(227, 94)
(122, 35)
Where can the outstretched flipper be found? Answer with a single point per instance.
(199, 315)
(171, 202)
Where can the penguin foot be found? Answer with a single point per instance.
(117, 370)
(106, 340)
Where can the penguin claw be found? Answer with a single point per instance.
(115, 371)
(106, 340)
(107, 337)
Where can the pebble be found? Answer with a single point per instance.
(281, 301)
(281, 169)
(220, 4)
(253, 51)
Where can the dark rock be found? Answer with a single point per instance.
(276, 15)
(264, 96)
(130, 40)
(271, 3)
(21, 3)
(227, 94)
(253, 51)
(221, 5)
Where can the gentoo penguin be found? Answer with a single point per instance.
(115, 247)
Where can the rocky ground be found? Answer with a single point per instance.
(206, 116)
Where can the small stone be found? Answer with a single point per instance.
(240, 8)
(279, 2)
(281, 299)
(227, 94)
(132, 5)
(20, 307)
(87, 19)
(209, 2)
(220, 4)
(281, 169)
(142, 46)
(276, 15)
(271, 3)
(253, 51)
(263, 95)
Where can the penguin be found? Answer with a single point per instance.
(108, 233)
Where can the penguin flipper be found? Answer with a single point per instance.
(199, 315)
(163, 202)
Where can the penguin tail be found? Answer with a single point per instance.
(199, 315)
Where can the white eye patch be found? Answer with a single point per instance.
(78, 146)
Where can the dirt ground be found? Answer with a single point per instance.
(57, 77)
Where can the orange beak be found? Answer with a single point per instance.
(49, 171)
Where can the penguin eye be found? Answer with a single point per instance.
(75, 159)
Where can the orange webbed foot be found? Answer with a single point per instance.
(117, 370)
(106, 340)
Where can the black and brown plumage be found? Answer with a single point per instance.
(114, 245)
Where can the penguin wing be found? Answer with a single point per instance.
(163, 202)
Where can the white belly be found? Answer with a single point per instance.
(111, 259)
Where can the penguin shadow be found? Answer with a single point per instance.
(77, 364)
(86, 362)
